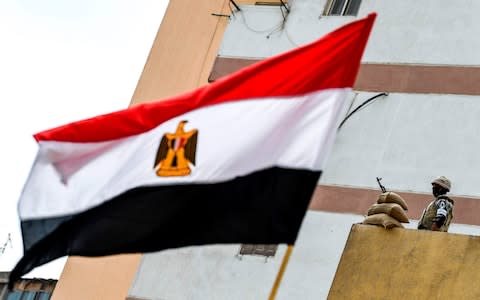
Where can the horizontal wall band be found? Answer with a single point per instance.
(399, 78)
(358, 200)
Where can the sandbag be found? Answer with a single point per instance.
(382, 220)
(392, 209)
(391, 197)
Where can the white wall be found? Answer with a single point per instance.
(408, 139)
(409, 31)
(405, 138)
(215, 272)
(209, 272)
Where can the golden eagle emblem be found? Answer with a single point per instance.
(176, 152)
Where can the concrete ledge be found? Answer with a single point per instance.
(407, 264)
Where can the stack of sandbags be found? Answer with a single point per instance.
(389, 211)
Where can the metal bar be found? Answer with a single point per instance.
(235, 4)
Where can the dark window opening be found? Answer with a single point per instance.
(342, 7)
(266, 250)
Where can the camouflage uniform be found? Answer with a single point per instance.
(439, 209)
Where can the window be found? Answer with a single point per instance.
(260, 249)
(29, 295)
(26, 289)
(342, 7)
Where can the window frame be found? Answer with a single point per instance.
(265, 250)
(344, 10)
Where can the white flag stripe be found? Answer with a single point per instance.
(234, 139)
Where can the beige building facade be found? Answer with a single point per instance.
(422, 55)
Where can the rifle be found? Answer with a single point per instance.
(384, 190)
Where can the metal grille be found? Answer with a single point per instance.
(258, 249)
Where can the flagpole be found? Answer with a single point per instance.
(283, 266)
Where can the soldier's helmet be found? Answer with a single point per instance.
(443, 182)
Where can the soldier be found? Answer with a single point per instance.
(439, 213)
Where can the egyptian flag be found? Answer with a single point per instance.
(235, 161)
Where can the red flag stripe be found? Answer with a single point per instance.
(297, 72)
